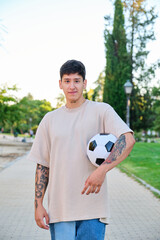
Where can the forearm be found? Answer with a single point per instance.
(41, 182)
(120, 151)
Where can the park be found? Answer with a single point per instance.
(130, 83)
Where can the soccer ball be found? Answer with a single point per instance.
(99, 147)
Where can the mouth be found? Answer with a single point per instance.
(73, 92)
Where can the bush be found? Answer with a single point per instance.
(138, 136)
(34, 128)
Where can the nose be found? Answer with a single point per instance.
(72, 85)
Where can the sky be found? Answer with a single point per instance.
(42, 35)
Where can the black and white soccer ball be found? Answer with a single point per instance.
(99, 147)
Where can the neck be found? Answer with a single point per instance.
(75, 104)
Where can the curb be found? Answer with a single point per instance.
(148, 186)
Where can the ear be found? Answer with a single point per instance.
(84, 84)
(60, 84)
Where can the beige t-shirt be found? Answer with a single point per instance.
(60, 144)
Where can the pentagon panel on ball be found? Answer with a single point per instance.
(99, 147)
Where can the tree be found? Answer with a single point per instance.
(140, 31)
(97, 94)
(117, 68)
(20, 115)
(156, 107)
(31, 112)
(157, 119)
(7, 103)
(60, 100)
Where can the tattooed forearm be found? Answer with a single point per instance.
(41, 182)
(36, 203)
(117, 150)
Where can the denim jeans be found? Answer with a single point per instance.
(78, 230)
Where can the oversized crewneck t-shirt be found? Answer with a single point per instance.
(61, 145)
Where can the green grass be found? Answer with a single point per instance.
(144, 162)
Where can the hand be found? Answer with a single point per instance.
(40, 214)
(94, 181)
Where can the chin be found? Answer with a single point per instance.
(72, 98)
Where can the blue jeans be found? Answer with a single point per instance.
(78, 230)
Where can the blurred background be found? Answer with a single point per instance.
(118, 41)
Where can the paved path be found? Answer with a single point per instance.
(135, 212)
(16, 203)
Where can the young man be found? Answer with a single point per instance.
(77, 191)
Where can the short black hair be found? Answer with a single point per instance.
(73, 66)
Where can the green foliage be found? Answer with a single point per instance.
(142, 109)
(20, 115)
(157, 119)
(117, 68)
(156, 107)
(32, 111)
(85, 94)
(34, 128)
(96, 94)
(7, 104)
(60, 100)
(126, 54)
(109, 71)
(140, 22)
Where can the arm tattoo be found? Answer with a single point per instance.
(118, 148)
(41, 182)
(36, 203)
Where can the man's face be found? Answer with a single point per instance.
(72, 86)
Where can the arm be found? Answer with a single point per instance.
(41, 182)
(120, 151)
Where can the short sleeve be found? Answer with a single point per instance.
(40, 151)
(114, 124)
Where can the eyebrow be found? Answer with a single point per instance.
(68, 78)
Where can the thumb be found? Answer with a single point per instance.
(46, 218)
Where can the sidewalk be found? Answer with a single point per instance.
(135, 211)
(16, 203)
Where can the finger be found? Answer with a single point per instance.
(89, 190)
(44, 226)
(47, 219)
(85, 188)
(94, 189)
(98, 189)
(86, 181)
(41, 224)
